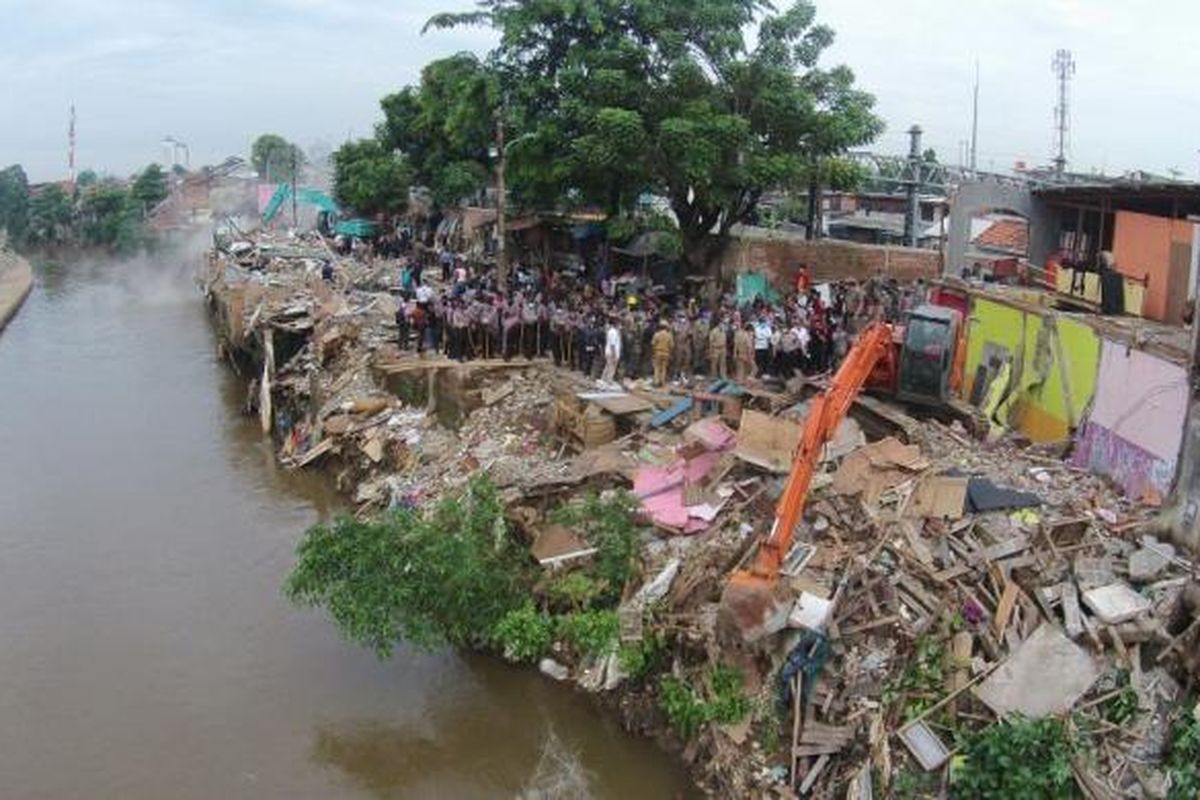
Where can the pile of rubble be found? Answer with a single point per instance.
(937, 584)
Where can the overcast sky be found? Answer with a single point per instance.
(215, 73)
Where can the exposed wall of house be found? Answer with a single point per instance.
(1161, 249)
(780, 258)
(1054, 360)
(1135, 429)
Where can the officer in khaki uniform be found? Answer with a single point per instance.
(717, 345)
(662, 346)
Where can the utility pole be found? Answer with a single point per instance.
(975, 118)
(501, 203)
(912, 184)
(293, 149)
(1064, 68)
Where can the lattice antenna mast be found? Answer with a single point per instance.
(71, 147)
(1064, 69)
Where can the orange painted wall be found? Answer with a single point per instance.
(1142, 246)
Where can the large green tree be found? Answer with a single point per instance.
(150, 187)
(109, 217)
(14, 203)
(446, 126)
(370, 178)
(275, 158)
(673, 96)
(51, 213)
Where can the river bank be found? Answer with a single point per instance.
(928, 560)
(146, 528)
(16, 281)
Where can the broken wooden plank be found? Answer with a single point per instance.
(1004, 609)
(813, 774)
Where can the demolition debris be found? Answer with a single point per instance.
(937, 584)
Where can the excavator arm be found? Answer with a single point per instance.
(748, 601)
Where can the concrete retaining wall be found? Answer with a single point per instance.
(16, 281)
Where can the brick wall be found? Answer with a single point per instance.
(827, 259)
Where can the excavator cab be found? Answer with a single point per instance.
(928, 355)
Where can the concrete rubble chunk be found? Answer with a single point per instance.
(1115, 603)
(1045, 675)
(552, 669)
(1148, 562)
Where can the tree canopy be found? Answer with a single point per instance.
(14, 203)
(51, 213)
(445, 126)
(150, 187)
(618, 97)
(370, 178)
(274, 157)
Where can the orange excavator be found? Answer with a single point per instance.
(916, 362)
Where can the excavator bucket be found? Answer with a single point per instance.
(752, 606)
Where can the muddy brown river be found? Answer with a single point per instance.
(146, 650)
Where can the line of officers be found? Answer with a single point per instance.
(717, 344)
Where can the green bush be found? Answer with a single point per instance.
(590, 633)
(443, 578)
(728, 705)
(639, 660)
(608, 525)
(1017, 758)
(575, 590)
(687, 710)
(524, 635)
(1183, 759)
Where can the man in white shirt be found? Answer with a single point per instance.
(612, 351)
(762, 345)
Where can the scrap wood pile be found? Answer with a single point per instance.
(938, 590)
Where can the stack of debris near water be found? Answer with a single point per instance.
(938, 583)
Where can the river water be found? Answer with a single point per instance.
(146, 650)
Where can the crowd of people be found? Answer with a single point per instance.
(611, 330)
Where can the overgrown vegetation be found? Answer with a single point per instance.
(590, 633)
(720, 700)
(1183, 757)
(923, 679)
(106, 214)
(1016, 758)
(448, 577)
(644, 658)
(524, 635)
(607, 523)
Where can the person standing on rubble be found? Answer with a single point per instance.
(446, 260)
(612, 351)
(662, 346)
(457, 324)
(402, 318)
(683, 348)
(419, 317)
(631, 344)
(762, 345)
(743, 352)
(717, 346)
(700, 343)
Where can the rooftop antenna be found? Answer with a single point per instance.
(71, 147)
(1064, 68)
(975, 118)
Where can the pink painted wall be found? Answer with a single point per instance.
(1142, 399)
(1136, 426)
